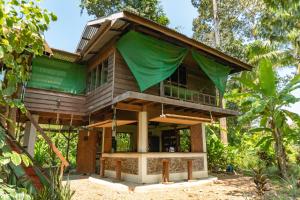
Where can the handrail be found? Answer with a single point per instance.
(64, 162)
(186, 94)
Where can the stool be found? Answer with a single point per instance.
(165, 170)
(118, 169)
(102, 170)
(190, 169)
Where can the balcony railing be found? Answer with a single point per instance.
(181, 93)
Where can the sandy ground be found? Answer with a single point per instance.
(227, 187)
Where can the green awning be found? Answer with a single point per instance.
(150, 60)
(217, 72)
(58, 75)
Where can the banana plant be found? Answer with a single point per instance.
(264, 106)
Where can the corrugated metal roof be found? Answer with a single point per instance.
(87, 35)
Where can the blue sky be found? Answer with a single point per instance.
(66, 31)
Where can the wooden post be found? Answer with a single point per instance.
(190, 169)
(196, 138)
(102, 171)
(30, 136)
(142, 132)
(165, 170)
(106, 140)
(162, 89)
(118, 169)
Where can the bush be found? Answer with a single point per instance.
(57, 190)
(219, 156)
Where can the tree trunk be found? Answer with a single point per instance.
(217, 42)
(298, 69)
(280, 152)
(216, 23)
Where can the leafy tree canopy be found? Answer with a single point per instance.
(237, 19)
(150, 9)
(279, 27)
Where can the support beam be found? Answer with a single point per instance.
(204, 138)
(129, 107)
(196, 138)
(142, 132)
(30, 136)
(106, 140)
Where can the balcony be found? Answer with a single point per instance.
(181, 93)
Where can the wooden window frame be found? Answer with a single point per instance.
(100, 72)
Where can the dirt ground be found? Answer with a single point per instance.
(231, 187)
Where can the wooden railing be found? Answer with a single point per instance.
(181, 93)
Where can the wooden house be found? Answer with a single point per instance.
(132, 76)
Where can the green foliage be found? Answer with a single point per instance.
(21, 25)
(57, 190)
(44, 156)
(219, 156)
(150, 9)
(263, 105)
(10, 187)
(123, 142)
(261, 181)
(185, 140)
(279, 27)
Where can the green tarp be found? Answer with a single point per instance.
(217, 72)
(150, 60)
(58, 75)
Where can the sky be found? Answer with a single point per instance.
(65, 33)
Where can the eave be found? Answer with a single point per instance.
(106, 28)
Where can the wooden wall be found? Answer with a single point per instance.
(124, 80)
(196, 79)
(49, 101)
(102, 96)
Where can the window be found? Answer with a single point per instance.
(104, 71)
(175, 86)
(178, 78)
(97, 76)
